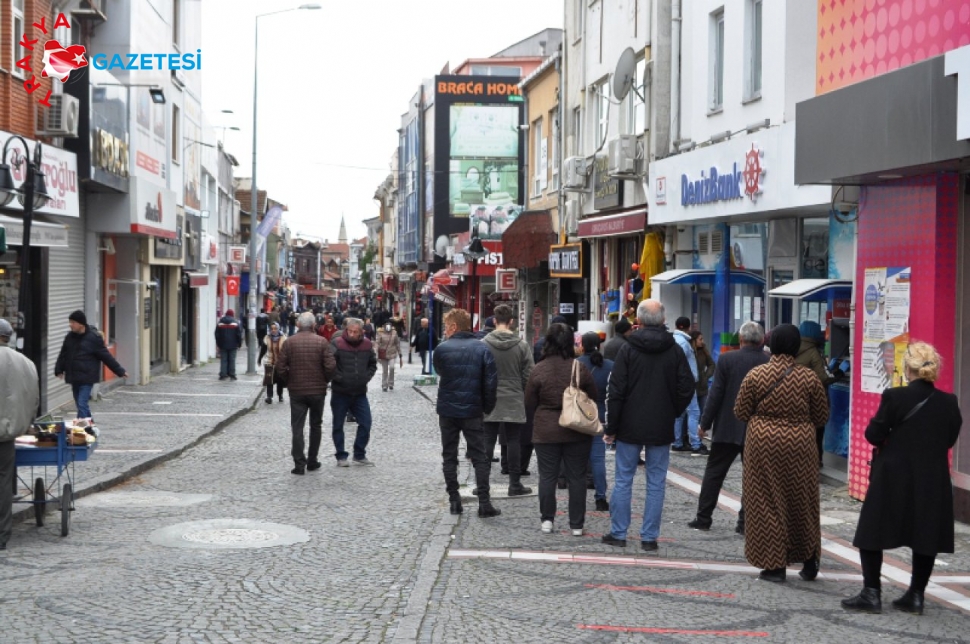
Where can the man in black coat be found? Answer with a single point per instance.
(621, 331)
(421, 342)
(229, 337)
(80, 359)
(727, 440)
(356, 365)
(467, 391)
(650, 386)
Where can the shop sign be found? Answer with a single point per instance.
(958, 62)
(60, 172)
(613, 225)
(566, 260)
(487, 265)
(565, 308)
(153, 211)
(716, 186)
(506, 280)
(170, 247)
(237, 254)
(41, 234)
(210, 249)
(660, 191)
(607, 191)
(110, 153)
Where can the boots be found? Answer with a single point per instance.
(810, 569)
(455, 502)
(868, 601)
(515, 486)
(486, 509)
(910, 602)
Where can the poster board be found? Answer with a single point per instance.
(885, 327)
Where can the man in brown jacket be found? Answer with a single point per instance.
(307, 365)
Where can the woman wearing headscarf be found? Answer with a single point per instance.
(910, 497)
(783, 403)
(601, 368)
(273, 342)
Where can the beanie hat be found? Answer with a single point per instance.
(6, 330)
(812, 330)
(230, 313)
(490, 322)
(79, 317)
(559, 320)
(622, 326)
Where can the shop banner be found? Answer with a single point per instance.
(885, 327)
(60, 172)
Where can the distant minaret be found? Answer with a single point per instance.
(342, 239)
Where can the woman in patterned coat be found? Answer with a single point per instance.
(782, 403)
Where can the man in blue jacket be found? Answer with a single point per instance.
(467, 389)
(229, 337)
(80, 359)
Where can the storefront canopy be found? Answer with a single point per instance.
(42, 233)
(705, 276)
(526, 241)
(812, 290)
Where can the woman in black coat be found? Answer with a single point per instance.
(910, 497)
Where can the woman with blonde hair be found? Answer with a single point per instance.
(910, 497)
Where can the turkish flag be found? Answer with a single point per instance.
(232, 285)
(59, 61)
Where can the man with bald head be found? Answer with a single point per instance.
(650, 386)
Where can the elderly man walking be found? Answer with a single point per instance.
(651, 385)
(356, 365)
(19, 397)
(307, 365)
(727, 440)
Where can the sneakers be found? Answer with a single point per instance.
(679, 448)
(363, 461)
(576, 532)
(610, 540)
(546, 527)
(700, 451)
(602, 505)
(343, 463)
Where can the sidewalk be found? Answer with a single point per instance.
(144, 426)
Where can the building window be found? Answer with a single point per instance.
(639, 108)
(579, 7)
(176, 22)
(554, 150)
(496, 70)
(17, 51)
(602, 99)
(577, 131)
(753, 71)
(538, 147)
(409, 177)
(717, 61)
(176, 141)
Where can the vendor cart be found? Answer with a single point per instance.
(43, 468)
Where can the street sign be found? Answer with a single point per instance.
(237, 254)
(507, 280)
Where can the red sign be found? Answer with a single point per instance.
(633, 222)
(506, 280)
(443, 278)
(487, 266)
(232, 285)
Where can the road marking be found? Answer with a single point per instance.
(669, 631)
(164, 394)
(651, 589)
(162, 402)
(128, 451)
(146, 413)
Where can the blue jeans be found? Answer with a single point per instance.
(693, 416)
(340, 404)
(627, 455)
(597, 463)
(82, 394)
(227, 363)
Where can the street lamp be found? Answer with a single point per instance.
(474, 252)
(32, 195)
(251, 298)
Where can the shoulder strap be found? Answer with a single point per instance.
(574, 376)
(772, 387)
(919, 405)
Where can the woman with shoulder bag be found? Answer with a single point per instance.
(910, 497)
(388, 351)
(557, 446)
(274, 342)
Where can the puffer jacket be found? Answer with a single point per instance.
(81, 357)
(468, 379)
(356, 365)
(19, 394)
(388, 341)
(650, 387)
(809, 356)
(513, 361)
(306, 364)
(229, 334)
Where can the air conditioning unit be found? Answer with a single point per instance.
(61, 118)
(572, 216)
(574, 174)
(623, 155)
(90, 10)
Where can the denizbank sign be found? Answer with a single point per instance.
(723, 186)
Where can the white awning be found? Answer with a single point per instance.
(809, 289)
(42, 233)
(704, 276)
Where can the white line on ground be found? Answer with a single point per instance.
(168, 393)
(145, 413)
(128, 451)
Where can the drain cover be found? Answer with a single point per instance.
(223, 534)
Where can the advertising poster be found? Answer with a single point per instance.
(885, 330)
(484, 165)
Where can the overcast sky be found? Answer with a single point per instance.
(333, 84)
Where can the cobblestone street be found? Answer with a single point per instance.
(222, 544)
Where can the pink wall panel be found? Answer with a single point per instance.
(907, 223)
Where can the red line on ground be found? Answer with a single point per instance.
(672, 591)
(669, 631)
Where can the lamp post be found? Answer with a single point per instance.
(251, 297)
(32, 195)
(474, 252)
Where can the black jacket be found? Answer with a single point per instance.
(229, 334)
(651, 385)
(613, 346)
(729, 373)
(262, 325)
(910, 497)
(81, 357)
(420, 339)
(356, 365)
(468, 377)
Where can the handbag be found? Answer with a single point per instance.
(579, 413)
(268, 374)
(381, 353)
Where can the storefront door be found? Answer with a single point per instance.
(158, 316)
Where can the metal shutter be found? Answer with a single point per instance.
(65, 294)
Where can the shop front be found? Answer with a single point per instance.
(615, 244)
(526, 252)
(913, 242)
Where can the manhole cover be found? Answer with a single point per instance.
(231, 536)
(224, 534)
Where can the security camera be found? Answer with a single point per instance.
(681, 229)
(524, 127)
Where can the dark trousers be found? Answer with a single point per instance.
(340, 405)
(574, 458)
(872, 568)
(718, 463)
(300, 405)
(262, 348)
(452, 429)
(279, 391)
(510, 433)
(425, 369)
(8, 479)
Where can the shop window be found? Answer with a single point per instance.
(815, 248)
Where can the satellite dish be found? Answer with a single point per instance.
(625, 74)
(441, 245)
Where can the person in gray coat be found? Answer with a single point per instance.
(727, 440)
(513, 359)
(621, 331)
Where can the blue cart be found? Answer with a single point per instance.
(39, 464)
